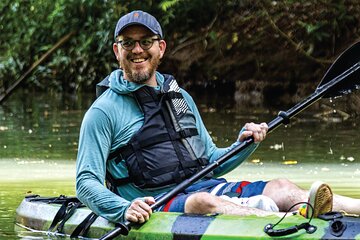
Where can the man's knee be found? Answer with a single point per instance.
(200, 203)
(279, 184)
(284, 193)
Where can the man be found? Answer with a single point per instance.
(144, 135)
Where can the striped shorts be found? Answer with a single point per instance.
(216, 187)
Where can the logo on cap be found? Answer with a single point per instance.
(136, 15)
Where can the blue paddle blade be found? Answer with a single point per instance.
(348, 62)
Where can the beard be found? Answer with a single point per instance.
(143, 75)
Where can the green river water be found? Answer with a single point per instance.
(39, 135)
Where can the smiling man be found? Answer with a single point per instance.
(144, 135)
(136, 56)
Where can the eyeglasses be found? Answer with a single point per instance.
(145, 43)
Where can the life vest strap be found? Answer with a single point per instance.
(159, 172)
(125, 151)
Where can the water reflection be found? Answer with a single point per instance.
(45, 127)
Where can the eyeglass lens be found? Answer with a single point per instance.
(145, 43)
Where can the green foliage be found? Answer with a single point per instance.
(266, 40)
(207, 39)
(33, 27)
(166, 5)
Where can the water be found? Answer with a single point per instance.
(39, 136)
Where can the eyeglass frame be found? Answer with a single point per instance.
(153, 39)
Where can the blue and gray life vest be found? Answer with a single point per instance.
(167, 149)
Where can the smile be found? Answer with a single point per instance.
(138, 60)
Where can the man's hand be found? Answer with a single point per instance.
(258, 131)
(139, 210)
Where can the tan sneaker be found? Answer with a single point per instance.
(321, 198)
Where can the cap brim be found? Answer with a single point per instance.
(135, 23)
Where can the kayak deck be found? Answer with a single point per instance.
(38, 216)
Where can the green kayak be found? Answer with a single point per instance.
(37, 214)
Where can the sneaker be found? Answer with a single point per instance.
(321, 198)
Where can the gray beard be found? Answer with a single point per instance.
(143, 76)
(138, 77)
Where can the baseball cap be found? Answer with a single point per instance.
(138, 18)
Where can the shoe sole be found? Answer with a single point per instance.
(321, 198)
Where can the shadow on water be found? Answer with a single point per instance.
(39, 136)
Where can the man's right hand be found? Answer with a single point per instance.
(258, 131)
(140, 210)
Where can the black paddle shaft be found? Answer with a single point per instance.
(282, 118)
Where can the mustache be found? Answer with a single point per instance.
(132, 55)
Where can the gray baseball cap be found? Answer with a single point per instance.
(138, 18)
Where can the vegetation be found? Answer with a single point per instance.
(209, 41)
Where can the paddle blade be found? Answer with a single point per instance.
(343, 63)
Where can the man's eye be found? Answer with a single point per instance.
(146, 41)
(127, 43)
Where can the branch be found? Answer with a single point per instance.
(190, 42)
(8, 91)
(297, 46)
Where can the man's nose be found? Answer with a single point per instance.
(137, 48)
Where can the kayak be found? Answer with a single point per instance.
(37, 214)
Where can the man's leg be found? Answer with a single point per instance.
(347, 204)
(219, 196)
(285, 194)
(205, 203)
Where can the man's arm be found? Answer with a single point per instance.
(94, 146)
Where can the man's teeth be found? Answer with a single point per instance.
(138, 60)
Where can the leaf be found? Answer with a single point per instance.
(165, 5)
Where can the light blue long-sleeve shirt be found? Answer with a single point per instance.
(109, 124)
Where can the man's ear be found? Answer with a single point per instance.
(162, 47)
(116, 51)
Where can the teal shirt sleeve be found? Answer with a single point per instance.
(94, 144)
(214, 152)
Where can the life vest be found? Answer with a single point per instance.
(167, 149)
